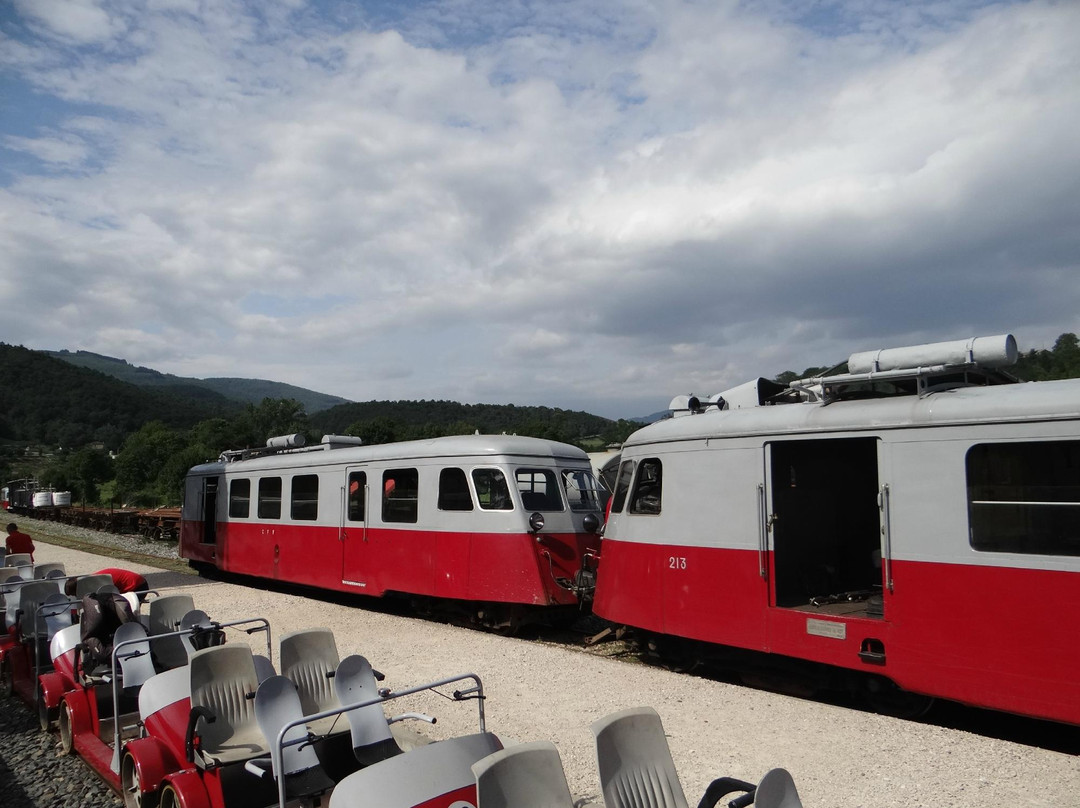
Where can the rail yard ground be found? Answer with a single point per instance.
(537, 690)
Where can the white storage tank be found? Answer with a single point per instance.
(62, 499)
(43, 499)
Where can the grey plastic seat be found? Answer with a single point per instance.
(10, 590)
(223, 682)
(777, 790)
(166, 613)
(17, 559)
(277, 703)
(89, 584)
(33, 596)
(636, 769)
(55, 614)
(309, 658)
(136, 664)
(43, 570)
(372, 740)
(199, 638)
(529, 775)
(3, 556)
(264, 668)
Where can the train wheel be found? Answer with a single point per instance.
(886, 698)
(67, 734)
(6, 681)
(131, 788)
(672, 653)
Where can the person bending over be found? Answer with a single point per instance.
(123, 580)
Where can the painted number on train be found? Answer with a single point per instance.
(676, 562)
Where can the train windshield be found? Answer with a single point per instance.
(581, 490)
(539, 489)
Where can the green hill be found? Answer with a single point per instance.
(385, 421)
(246, 391)
(52, 402)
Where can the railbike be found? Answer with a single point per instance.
(502, 527)
(912, 525)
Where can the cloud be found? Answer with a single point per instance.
(539, 203)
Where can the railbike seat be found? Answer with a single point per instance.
(372, 740)
(166, 613)
(223, 680)
(136, 665)
(529, 775)
(277, 704)
(309, 658)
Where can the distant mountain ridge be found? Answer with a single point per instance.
(247, 391)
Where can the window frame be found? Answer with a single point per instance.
(266, 502)
(1023, 497)
(234, 499)
(639, 494)
(307, 509)
(406, 508)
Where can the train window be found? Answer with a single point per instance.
(581, 490)
(539, 490)
(454, 491)
(648, 488)
(305, 497)
(492, 490)
(622, 486)
(239, 499)
(270, 498)
(357, 495)
(1025, 497)
(400, 487)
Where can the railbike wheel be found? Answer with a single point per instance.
(169, 798)
(7, 682)
(46, 715)
(131, 787)
(67, 734)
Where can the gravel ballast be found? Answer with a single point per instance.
(540, 691)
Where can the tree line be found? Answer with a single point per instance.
(1038, 365)
(114, 444)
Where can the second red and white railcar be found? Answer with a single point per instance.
(913, 518)
(489, 522)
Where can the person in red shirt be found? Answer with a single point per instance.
(18, 542)
(123, 580)
(126, 580)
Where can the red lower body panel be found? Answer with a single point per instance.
(997, 637)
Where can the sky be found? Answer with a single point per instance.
(594, 204)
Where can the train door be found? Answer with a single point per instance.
(209, 510)
(824, 526)
(355, 559)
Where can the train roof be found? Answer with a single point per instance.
(336, 451)
(1031, 401)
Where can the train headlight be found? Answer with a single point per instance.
(536, 522)
(591, 523)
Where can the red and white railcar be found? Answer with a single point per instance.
(490, 522)
(917, 518)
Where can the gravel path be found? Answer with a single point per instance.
(838, 756)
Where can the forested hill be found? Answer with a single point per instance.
(385, 421)
(245, 391)
(47, 401)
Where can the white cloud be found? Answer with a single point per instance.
(84, 21)
(467, 200)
